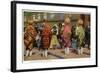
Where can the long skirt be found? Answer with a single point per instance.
(54, 41)
(80, 43)
(74, 43)
(67, 42)
(45, 42)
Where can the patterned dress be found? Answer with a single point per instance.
(74, 43)
(46, 32)
(81, 34)
(29, 36)
(67, 35)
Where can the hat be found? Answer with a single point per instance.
(67, 20)
(80, 21)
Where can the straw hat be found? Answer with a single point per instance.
(67, 20)
(80, 21)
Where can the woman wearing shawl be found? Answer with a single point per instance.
(80, 32)
(29, 37)
(46, 35)
(67, 35)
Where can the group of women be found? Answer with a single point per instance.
(59, 36)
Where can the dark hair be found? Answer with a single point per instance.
(45, 20)
(60, 24)
(54, 27)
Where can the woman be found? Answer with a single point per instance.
(87, 35)
(46, 35)
(54, 41)
(38, 40)
(29, 37)
(80, 32)
(67, 35)
(74, 41)
(60, 30)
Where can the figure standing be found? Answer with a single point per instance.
(38, 40)
(29, 37)
(67, 35)
(74, 40)
(46, 36)
(80, 32)
(60, 39)
(87, 35)
(54, 41)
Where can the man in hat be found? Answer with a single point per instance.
(80, 32)
(67, 35)
(29, 37)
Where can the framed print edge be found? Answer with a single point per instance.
(13, 36)
(56, 68)
(96, 36)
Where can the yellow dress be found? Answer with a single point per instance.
(54, 41)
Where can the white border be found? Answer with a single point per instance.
(53, 63)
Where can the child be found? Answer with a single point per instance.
(54, 41)
(80, 35)
(67, 35)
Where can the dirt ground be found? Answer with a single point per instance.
(57, 54)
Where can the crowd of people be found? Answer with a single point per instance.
(59, 36)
